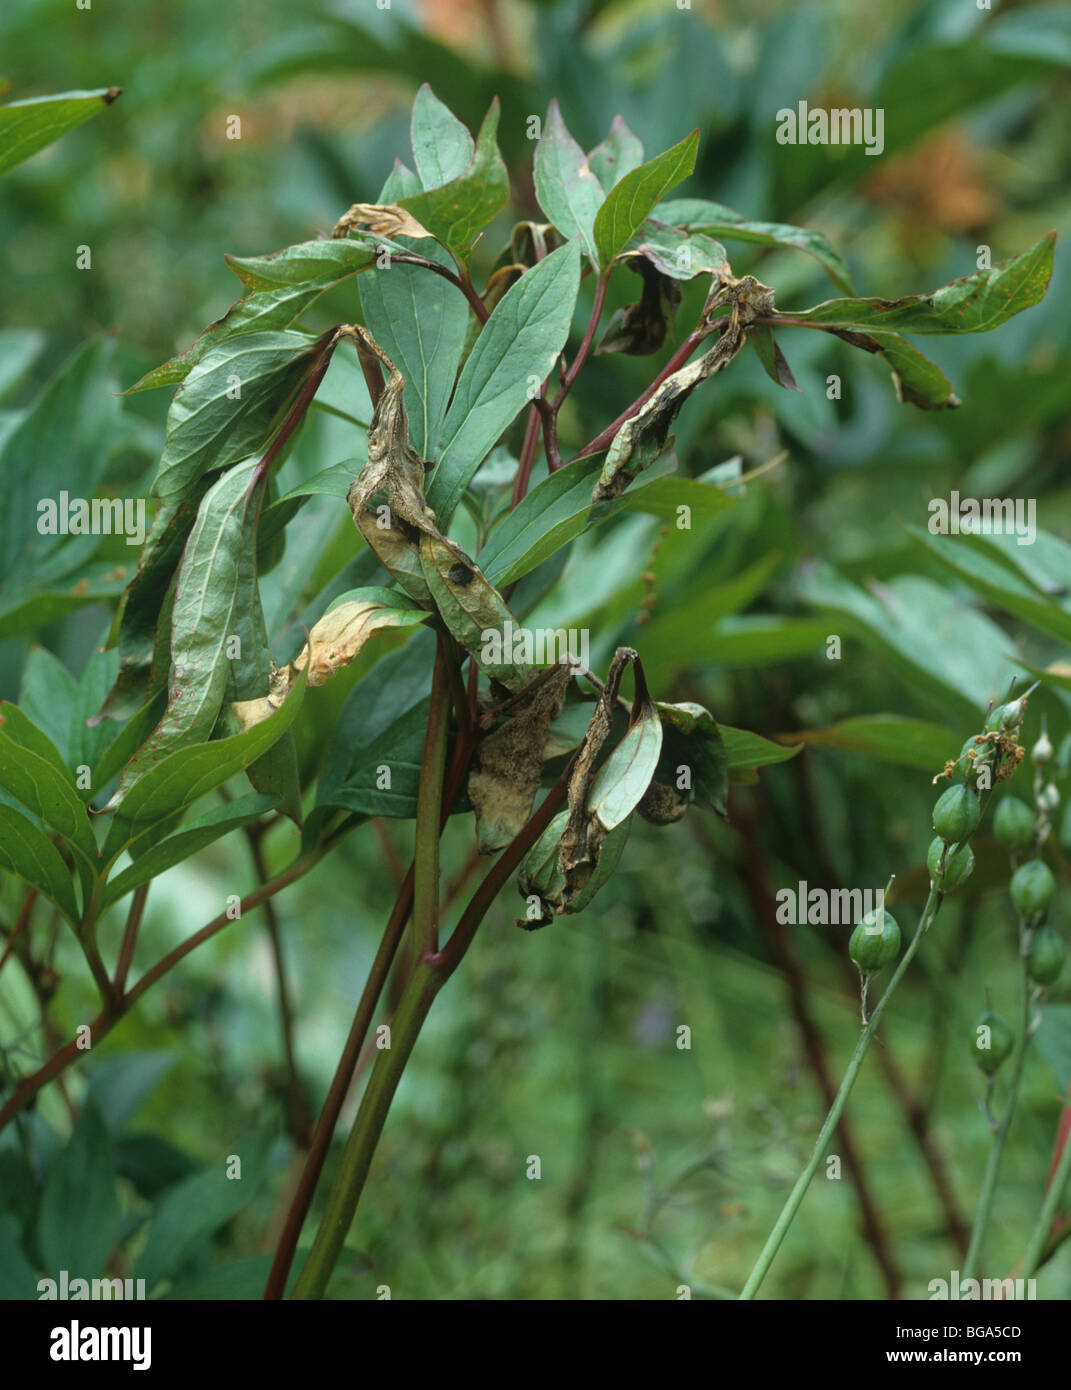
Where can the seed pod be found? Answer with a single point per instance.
(1031, 888)
(992, 1042)
(1047, 956)
(1013, 823)
(956, 815)
(958, 867)
(1008, 716)
(1041, 753)
(872, 949)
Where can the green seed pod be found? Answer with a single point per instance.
(1041, 753)
(1013, 823)
(956, 815)
(1008, 716)
(871, 949)
(1031, 888)
(992, 1041)
(958, 869)
(1047, 956)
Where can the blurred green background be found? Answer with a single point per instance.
(660, 1166)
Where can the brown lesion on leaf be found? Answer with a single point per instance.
(381, 219)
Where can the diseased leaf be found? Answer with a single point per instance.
(225, 408)
(508, 763)
(518, 345)
(472, 609)
(541, 876)
(442, 147)
(974, 304)
(459, 210)
(381, 220)
(698, 215)
(634, 197)
(566, 186)
(28, 126)
(616, 156)
(643, 437)
(693, 765)
(640, 329)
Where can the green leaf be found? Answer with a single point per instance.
(401, 183)
(698, 215)
(567, 188)
(761, 338)
(320, 263)
(420, 321)
(519, 345)
(181, 777)
(744, 751)
(919, 382)
(381, 731)
(79, 1218)
(631, 201)
(458, 211)
(33, 772)
(208, 427)
(62, 443)
(997, 584)
(974, 304)
(442, 147)
(891, 738)
(680, 255)
(616, 156)
(185, 843)
(1054, 1043)
(927, 637)
(47, 696)
(255, 312)
(194, 1209)
(202, 623)
(18, 1278)
(28, 853)
(28, 126)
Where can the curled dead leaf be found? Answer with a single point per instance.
(382, 219)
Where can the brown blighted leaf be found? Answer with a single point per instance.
(396, 545)
(474, 611)
(509, 762)
(394, 467)
(251, 712)
(641, 439)
(543, 884)
(662, 804)
(770, 355)
(382, 219)
(640, 329)
(599, 802)
(333, 643)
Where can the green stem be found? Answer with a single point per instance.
(1034, 1251)
(795, 1197)
(996, 1153)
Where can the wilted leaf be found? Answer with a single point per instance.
(640, 329)
(692, 767)
(761, 338)
(472, 609)
(508, 763)
(380, 219)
